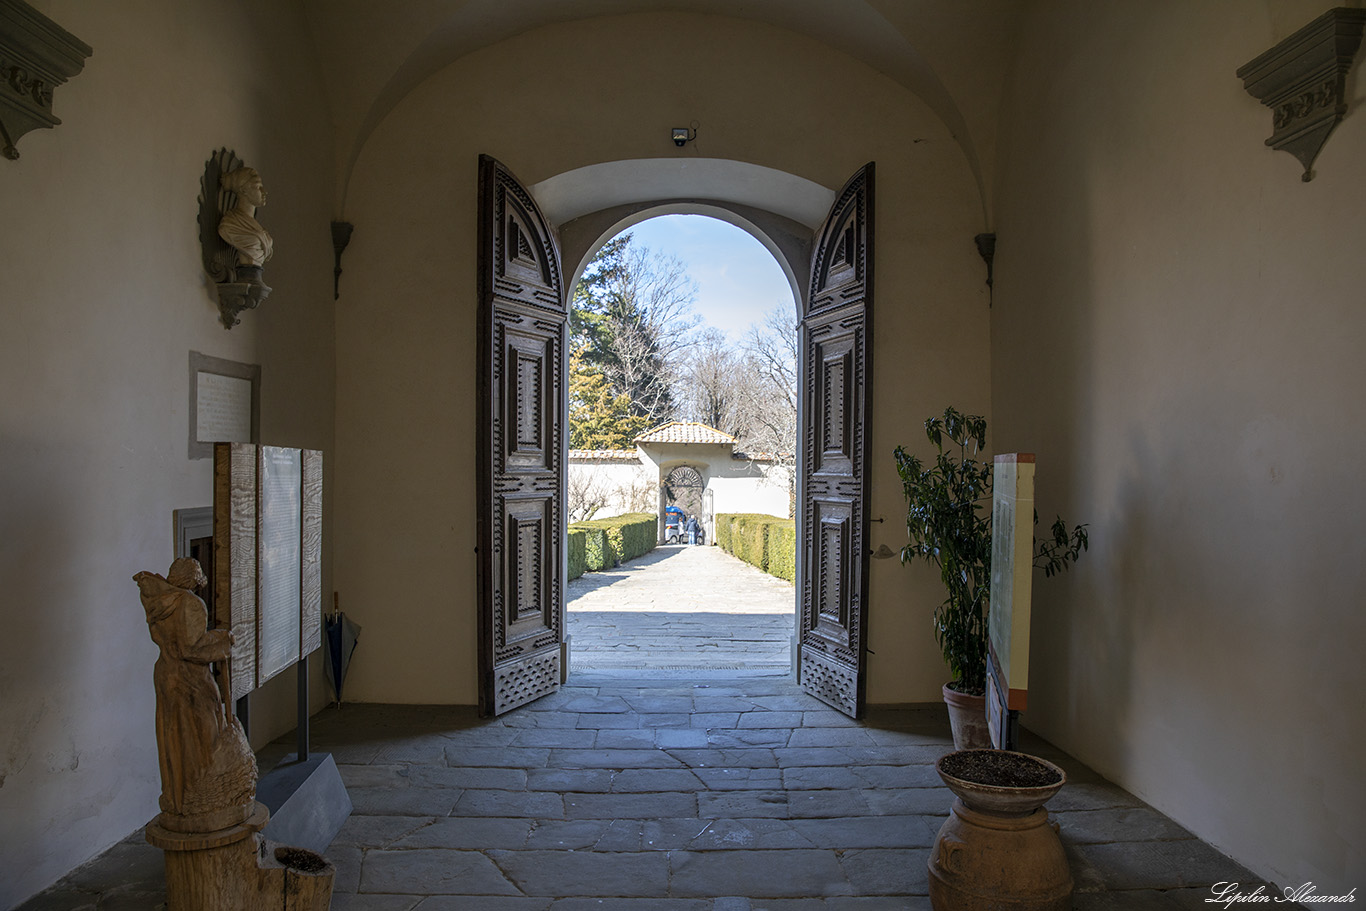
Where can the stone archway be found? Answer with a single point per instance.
(593, 204)
(683, 487)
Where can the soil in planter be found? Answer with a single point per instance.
(998, 768)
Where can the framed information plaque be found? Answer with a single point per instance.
(267, 567)
(225, 403)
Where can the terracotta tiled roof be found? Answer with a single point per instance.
(685, 432)
(756, 456)
(603, 455)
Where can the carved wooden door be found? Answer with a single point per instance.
(836, 368)
(522, 331)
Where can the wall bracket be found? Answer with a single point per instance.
(1304, 82)
(986, 248)
(341, 236)
(36, 56)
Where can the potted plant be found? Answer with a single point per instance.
(948, 523)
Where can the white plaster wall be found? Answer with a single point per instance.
(103, 299)
(1177, 334)
(751, 487)
(737, 485)
(615, 480)
(567, 96)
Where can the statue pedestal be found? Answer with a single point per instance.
(236, 869)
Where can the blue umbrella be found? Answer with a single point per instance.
(341, 632)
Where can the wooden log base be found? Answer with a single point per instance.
(220, 820)
(236, 869)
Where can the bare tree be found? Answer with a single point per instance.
(767, 411)
(640, 493)
(587, 494)
(772, 347)
(636, 320)
(713, 382)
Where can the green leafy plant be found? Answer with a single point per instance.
(948, 524)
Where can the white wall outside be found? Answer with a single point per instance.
(738, 485)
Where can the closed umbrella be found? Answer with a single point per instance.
(341, 634)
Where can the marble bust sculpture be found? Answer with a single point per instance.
(239, 227)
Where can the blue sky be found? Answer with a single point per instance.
(738, 280)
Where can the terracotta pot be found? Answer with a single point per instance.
(1005, 800)
(997, 850)
(968, 719)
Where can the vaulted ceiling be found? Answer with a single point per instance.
(953, 54)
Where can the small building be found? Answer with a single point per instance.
(681, 463)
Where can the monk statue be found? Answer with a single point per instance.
(208, 771)
(239, 227)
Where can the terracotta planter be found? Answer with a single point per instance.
(968, 719)
(997, 850)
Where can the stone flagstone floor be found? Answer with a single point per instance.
(680, 611)
(636, 795)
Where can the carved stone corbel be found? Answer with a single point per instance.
(1304, 82)
(36, 56)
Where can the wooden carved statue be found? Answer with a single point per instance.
(208, 771)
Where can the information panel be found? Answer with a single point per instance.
(280, 526)
(224, 408)
(1012, 561)
(267, 530)
(225, 403)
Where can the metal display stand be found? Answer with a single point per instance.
(307, 800)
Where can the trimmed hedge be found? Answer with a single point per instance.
(782, 549)
(578, 552)
(608, 542)
(768, 542)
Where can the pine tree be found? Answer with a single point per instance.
(632, 320)
(598, 417)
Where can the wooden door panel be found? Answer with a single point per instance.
(836, 386)
(523, 322)
(833, 622)
(528, 375)
(837, 370)
(528, 619)
(833, 682)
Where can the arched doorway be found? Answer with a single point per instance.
(683, 487)
(835, 373)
